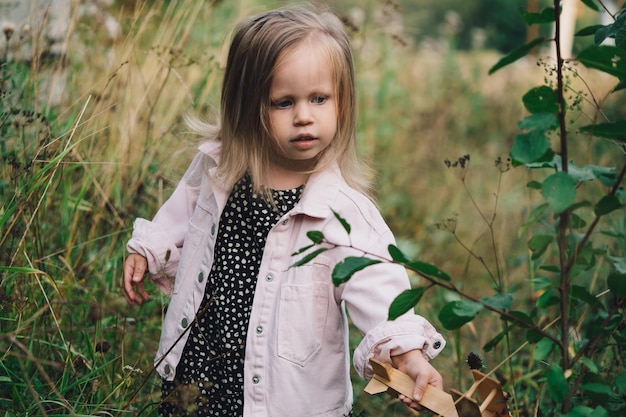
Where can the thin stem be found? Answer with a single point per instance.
(477, 257)
(564, 286)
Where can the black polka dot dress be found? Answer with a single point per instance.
(209, 376)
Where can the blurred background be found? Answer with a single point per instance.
(92, 136)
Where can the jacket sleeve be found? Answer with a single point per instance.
(368, 295)
(160, 240)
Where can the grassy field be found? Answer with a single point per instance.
(74, 175)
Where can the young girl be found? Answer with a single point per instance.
(245, 334)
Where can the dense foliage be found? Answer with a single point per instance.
(574, 331)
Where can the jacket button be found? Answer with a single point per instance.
(437, 344)
(285, 222)
(167, 369)
(259, 329)
(269, 277)
(255, 379)
(200, 277)
(184, 323)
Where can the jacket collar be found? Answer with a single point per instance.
(318, 197)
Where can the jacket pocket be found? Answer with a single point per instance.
(302, 315)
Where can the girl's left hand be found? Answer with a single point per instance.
(414, 364)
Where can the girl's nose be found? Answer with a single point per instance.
(302, 115)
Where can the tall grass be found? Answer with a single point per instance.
(75, 175)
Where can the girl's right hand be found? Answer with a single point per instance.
(135, 269)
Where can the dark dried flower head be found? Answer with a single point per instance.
(103, 346)
(8, 29)
(503, 164)
(474, 361)
(448, 224)
(462, 162)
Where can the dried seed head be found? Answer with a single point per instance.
(8, 29)
(448, 224)
(462, 162)
(474, 361)
(503, 164)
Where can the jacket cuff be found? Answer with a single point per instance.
(151, 242)
(391, 338)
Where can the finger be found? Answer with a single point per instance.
(424, 379)
(420, 386)
(410, 402)
(130, 282)
(139, 272)
(142, 291)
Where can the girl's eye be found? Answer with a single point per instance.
(319, 99)
(283, 104)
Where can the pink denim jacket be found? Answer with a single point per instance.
(297, 352)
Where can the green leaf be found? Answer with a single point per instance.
(531, 147)
(533, 336)
(543, 349)
(427, 269)
(344, 270)
(589, 30)
(540, 122)
(496, 340)
(501, 301)
(619, 263)
(586, 173)
(541, 99)
(303, 249)
(548, 298)
(397, 255)
(309, 257)
(22, 270)
(608, 59)
(456, 313)
(617, 284)
(541, 283)
(538, 244)
(559, 189)
(606, 205)
(592, 5)
(316, 237)
(584, 411)
(606, 175)
(576, 222)
(612, 30)
(405, 301)
(582, 294)
(620, 383)
(590, 364)
(516, 54)
(616, 130)
(550, 268)
(598, 388)
(546, 16)
(580, 411)
(557, 384)
(525, 318)
(343, 222)
(620, 33)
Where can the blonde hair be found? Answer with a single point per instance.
(244, 129)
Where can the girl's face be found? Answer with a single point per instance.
(303, 112)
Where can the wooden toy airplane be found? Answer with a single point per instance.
(456, 404)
